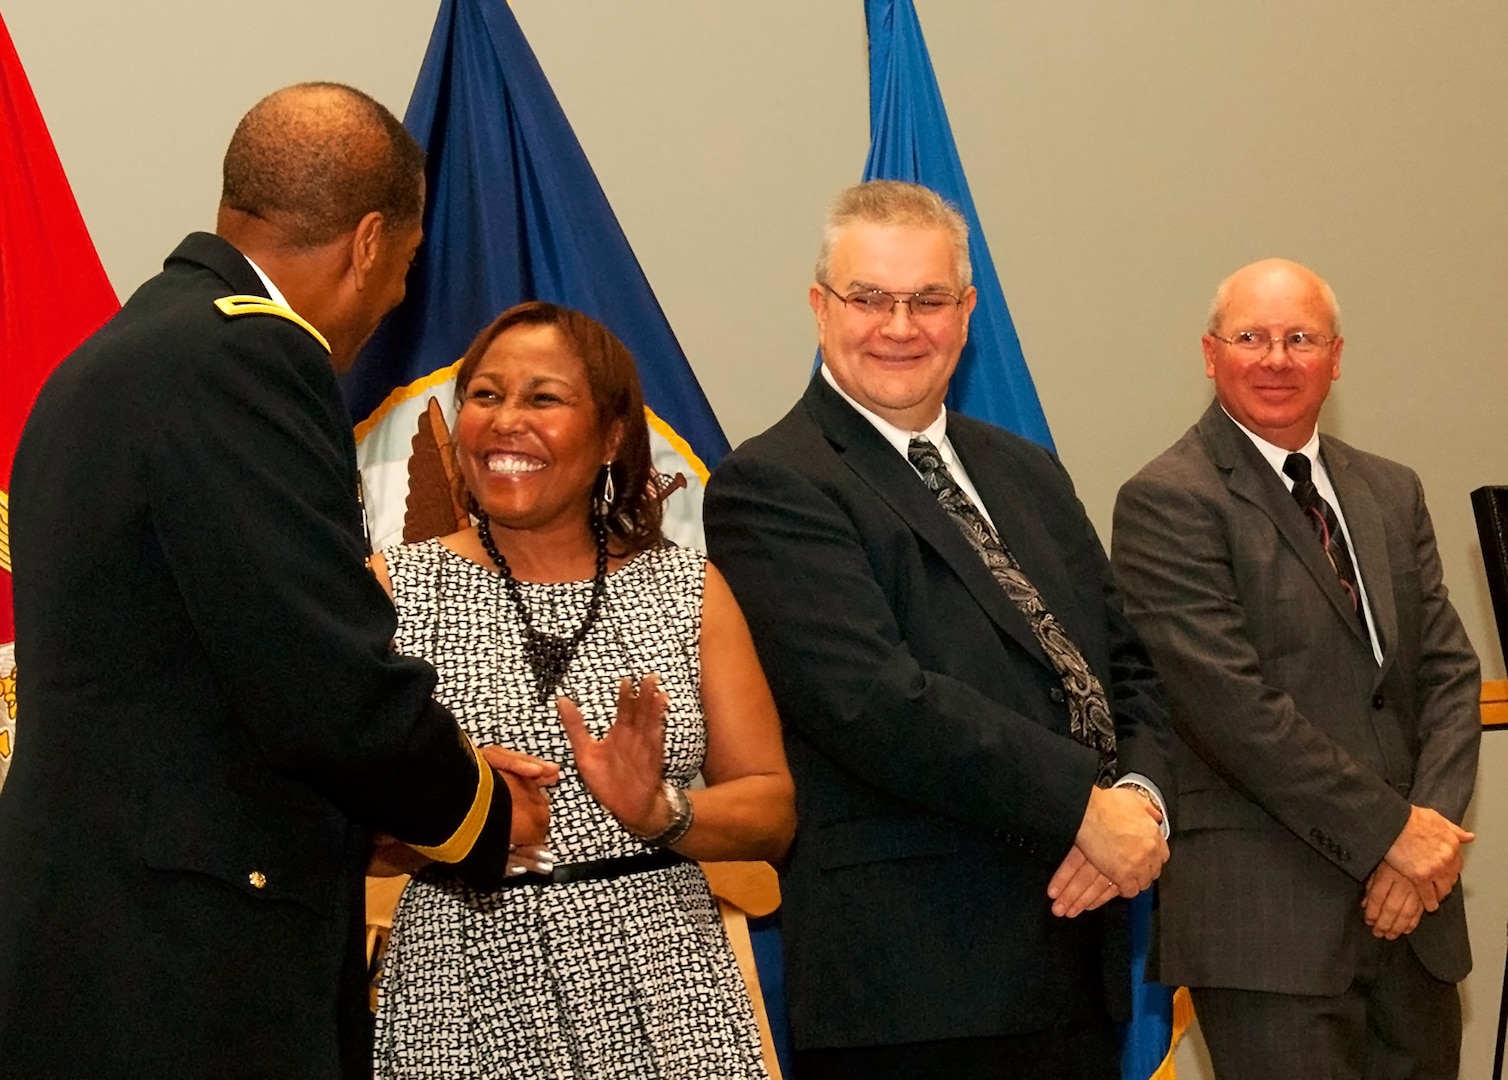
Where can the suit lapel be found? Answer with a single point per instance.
(875, 462)
(1369, 549)
(1014, 511)
(1369, 544)
(1248, 476)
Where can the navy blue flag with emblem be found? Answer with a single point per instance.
(910, 139)
(513, 213)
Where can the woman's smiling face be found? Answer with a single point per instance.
(528, 438)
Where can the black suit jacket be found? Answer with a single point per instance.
(209, 713)
(937, 785)
(1299, 755)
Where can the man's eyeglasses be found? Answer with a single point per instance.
(1299, 343)
(930, 305)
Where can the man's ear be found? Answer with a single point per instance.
(970, 299)
(366, 246)
(816, 297)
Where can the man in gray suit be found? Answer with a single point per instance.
(1326, 697)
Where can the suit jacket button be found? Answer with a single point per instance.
(1056, 693)
(1378, 701)
(258, 879)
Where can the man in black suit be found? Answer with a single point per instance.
(212, 718)
(1327, 703)
(958, 687)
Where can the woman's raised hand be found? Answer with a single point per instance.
(624, 770)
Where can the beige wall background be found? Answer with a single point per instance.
(1124, 157)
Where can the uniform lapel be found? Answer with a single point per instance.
(891, 477)
(1248, 476)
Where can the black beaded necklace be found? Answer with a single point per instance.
(549, 656)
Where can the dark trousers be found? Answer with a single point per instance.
(1394, 1022)
(1090, 1052)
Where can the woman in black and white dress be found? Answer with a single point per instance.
(562, 601)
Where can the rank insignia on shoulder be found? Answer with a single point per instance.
(233, 306)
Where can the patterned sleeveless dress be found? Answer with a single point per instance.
(627, 977)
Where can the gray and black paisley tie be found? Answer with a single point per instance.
(1089, 716)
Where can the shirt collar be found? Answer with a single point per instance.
(273, 293)
(1276, 455)
(936, 432)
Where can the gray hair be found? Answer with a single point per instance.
(895, 202)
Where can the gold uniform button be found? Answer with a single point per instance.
(258, 879)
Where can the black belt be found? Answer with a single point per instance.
(600, 869)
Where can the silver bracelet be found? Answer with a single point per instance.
(680, 818)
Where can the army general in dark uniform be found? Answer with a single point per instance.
(211, 719)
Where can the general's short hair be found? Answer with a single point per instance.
(315, 158)
(634, 520)
(896, 202)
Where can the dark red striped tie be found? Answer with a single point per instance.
(1326, 525)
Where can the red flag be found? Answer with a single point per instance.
(53, 295)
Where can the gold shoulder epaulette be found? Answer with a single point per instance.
(231, 306)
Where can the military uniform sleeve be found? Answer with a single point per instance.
(252, 496)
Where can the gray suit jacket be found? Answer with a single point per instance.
(1298, 755)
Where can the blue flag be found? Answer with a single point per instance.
(910, 139)
(1159, 1016)
(513, 213)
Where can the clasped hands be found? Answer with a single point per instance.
(1419, 871)
(528, 779)
(1119, 851)
(622, 770)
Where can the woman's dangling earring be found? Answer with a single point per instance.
(609, 493)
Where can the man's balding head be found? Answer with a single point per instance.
(1273, 348)
(1244, 278)
(324, 192)
(312, 160)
